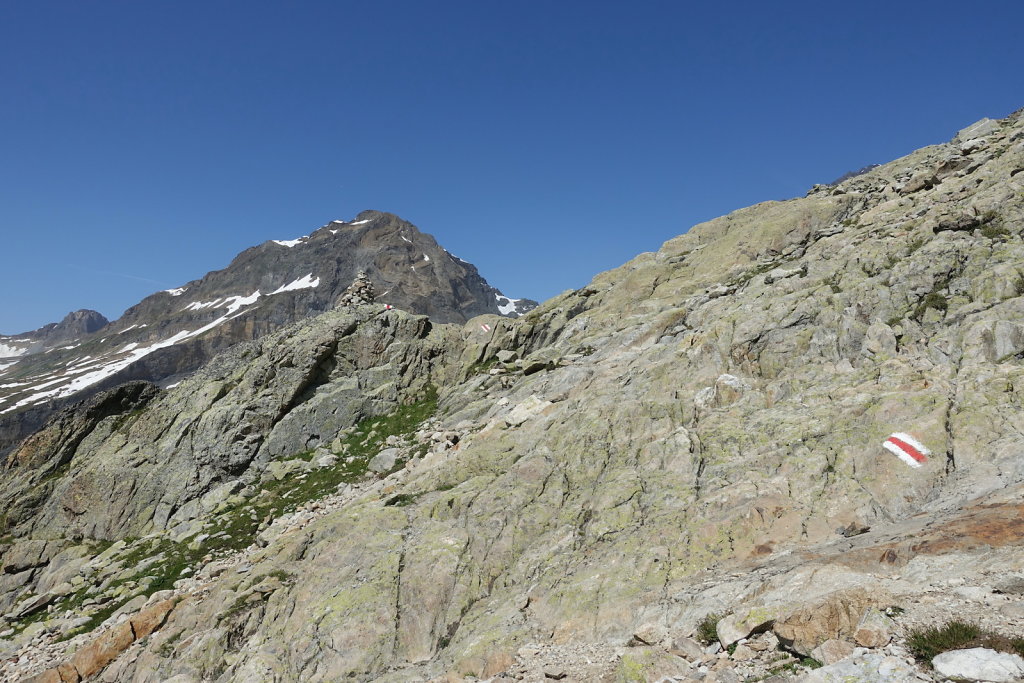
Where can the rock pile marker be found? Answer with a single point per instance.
(907, 448)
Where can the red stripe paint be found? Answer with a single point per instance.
(908, 449)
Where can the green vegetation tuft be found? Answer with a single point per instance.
(707, 629)
(926, 643)
(932, 300)
(481, 367)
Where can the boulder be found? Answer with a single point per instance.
(385, 460)
(95, 656)
(741, 624)
(835, 616)
(525, 410)
(979, 664)
(866, 668)
(874, 629)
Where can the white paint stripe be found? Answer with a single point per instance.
(900, 453)
(908, 439)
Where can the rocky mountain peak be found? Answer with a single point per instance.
(172, 333)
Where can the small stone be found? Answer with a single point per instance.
(742, 653)
(832, 651)
(874, 629)
(1014, 610)
(647, 634)
(507, 356)
(687, 648)
(556, 673)
(974, 593)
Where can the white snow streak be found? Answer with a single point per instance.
(176, 292)
(76, 384)
(302, 283)
(426, 258)
(290, 243)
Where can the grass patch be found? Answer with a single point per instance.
(931, 300)
(707, 629)
(926, 643)
(236, 527)
(795, 666)
(915, 244)
(481, 367)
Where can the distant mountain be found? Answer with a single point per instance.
(74, 325)
(853, 174)
(172, 333)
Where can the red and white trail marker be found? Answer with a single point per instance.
(907, 448)
(485, 327)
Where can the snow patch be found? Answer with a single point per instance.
(426, 258)
(367, 220)
(235, 302)
(290, 243)
(177, 291)
(11, 351)
(454, 256)
(406, 239)
(507, 308)
(307, 282)
(4, 364)
(199, 305)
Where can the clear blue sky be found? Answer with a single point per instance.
(143, 144)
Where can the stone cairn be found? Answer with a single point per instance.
(359, 292)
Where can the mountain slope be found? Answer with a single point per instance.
(170, 334)
(697, 431)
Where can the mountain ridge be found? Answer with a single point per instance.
(572, 494)
(171, 333)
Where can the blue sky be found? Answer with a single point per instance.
(143, 144)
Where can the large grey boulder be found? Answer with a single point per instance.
(979, 664)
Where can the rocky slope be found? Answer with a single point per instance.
(570, 494)
(170, 334)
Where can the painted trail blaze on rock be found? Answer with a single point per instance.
(907, 448)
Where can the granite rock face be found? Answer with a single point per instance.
(694, 432)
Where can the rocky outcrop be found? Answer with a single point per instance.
(697, 432)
